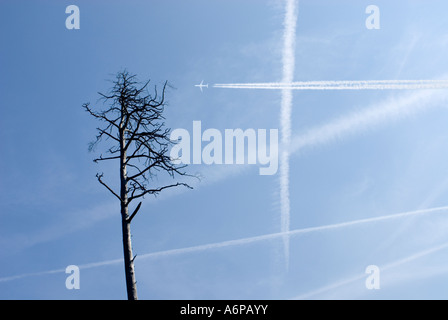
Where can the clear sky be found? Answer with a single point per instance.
(354, 155)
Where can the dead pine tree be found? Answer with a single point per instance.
(139, 141)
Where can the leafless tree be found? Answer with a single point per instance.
(134, 124)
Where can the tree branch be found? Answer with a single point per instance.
(134, 213)
(101, 116)
(102, 131)
(142, 172)
(155, 191)
(99, 176)
(107, 158)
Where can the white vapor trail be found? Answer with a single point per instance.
(356, 122)
(288, 60)
(241, 242)
(359, 277)
(341, 85)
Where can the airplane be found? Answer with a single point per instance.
(201, 85)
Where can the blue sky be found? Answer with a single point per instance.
(354, 155)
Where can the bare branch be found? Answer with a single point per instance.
(134, 213)
(108, 134)
(99, 176)
(101, 116)
(142, 172)
(107, 158)
(156, 191)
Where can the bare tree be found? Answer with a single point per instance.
(134, 123)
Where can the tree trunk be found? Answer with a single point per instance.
(131, 284)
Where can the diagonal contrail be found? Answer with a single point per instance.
(341, 85)
(241, 242)
(359, 277)
(368, 118)
(288, 59)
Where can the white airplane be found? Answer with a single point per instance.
(201, 85)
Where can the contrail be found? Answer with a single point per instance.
(365, 119)
(362, 276)
(43, 273)
(34, 274)
(288, 60)
(241, 242)
(271, 236)
(341, 85)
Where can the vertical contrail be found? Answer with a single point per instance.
(288, 61)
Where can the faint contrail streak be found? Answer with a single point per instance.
(367, 118)
(341, 85)
(240, 242)
(362, 276)
(271, 236)
(288, 60)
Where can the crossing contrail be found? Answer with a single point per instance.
(288, 60)
(240, 242)
(341, 85)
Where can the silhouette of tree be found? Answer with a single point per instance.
(134, 123)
